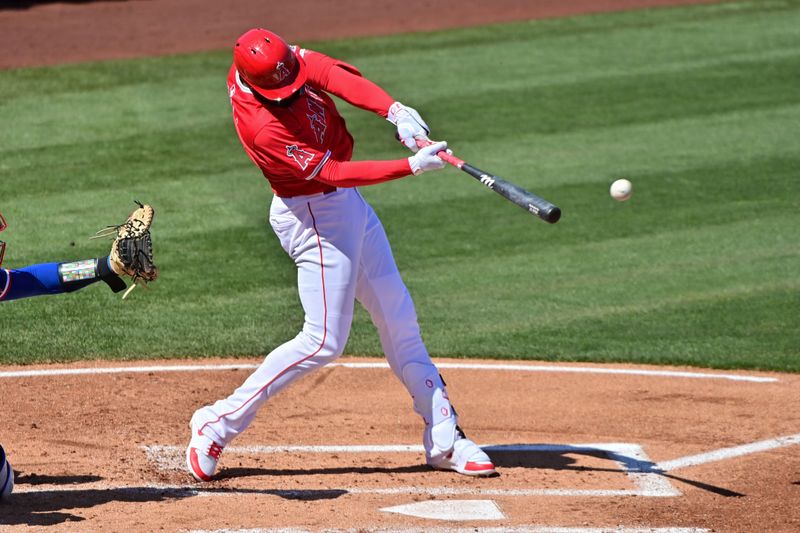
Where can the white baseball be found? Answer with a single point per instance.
(621, 190)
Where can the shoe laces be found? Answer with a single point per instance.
(215, 450)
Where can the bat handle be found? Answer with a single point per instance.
(444, 155)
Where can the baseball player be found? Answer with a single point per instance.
(131, 255)
(290, 128)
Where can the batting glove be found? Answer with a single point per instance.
(425, 159)
(410, 125)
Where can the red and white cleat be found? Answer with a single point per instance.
(468, 459)
(202, 454)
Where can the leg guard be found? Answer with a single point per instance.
(433, 405)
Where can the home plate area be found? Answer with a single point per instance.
(584, 470)
(611, 451)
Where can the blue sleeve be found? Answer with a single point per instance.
(34, 280)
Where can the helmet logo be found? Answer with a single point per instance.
(281, 72)
(300, 156)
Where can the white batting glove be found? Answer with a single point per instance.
(425, 159)
(410, 125)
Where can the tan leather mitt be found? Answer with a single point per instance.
(132, 251)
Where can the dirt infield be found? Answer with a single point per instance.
(577, 446)
(99, 447)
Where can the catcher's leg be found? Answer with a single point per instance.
(56, 278)
(382, 292)
(325, 249)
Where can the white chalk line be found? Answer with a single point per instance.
(461, 366)
(631, 458)
(728, 453)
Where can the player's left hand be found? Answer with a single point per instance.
(427, 159)
(410, 125)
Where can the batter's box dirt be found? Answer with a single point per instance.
(88, 451)
(616, 469)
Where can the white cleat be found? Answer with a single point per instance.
(202, 454)
(468, 459)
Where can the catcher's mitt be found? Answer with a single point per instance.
(132, 251)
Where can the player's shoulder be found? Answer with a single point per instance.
(306, 54)
(320, 64)
(312, 57)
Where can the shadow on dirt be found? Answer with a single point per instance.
(563, 457)
(720, 491)
(35, 479)
(307, 495)
(48, 507)
(538, 457)
(247, 472)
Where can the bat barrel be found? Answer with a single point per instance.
(535, 205)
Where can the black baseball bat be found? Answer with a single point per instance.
(536, 205)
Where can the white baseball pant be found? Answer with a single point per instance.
(342, 254)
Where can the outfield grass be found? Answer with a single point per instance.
(699, 107)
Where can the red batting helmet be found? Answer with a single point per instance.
(268, 64)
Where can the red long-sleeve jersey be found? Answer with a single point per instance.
(302, 146)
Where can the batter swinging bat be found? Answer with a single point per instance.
(526, 200)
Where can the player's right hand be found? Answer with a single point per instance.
(425, 159)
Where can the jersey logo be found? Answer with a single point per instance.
(316, 116)
(300, 156)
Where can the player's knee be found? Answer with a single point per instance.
(334, 345)
(327, 343)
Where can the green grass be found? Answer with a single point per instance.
(699, 107)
